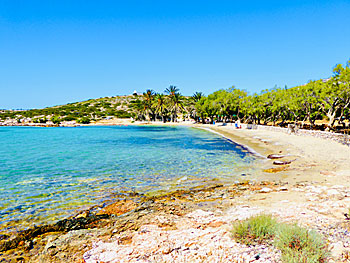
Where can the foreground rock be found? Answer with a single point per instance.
(199, 236)
(67, 240)
(204, 235)
(194, 226)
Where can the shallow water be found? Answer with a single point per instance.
(48, 173)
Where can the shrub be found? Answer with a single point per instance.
(55, 120)
(257, 229)
(40, 120)
(43, 120)
(298, 244)
(84, 120)
(69, 118)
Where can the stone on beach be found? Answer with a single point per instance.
(118, 208)
(281, 162)
(275, 156)
(265, 190)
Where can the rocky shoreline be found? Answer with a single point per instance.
(123, 216)
(185, 226)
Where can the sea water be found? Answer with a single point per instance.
(47, 174)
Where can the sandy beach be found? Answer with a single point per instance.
(313, 190)
(316, 160)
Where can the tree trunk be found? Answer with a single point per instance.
(331, 116)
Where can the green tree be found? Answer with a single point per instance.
(148, 104)
(55, 120)
(84, 120)
(161, 106)
(175, 101)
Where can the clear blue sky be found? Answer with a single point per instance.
(55, 52)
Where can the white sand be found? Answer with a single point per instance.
(319, 160)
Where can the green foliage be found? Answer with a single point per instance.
(257, 229)
(56, 120)
(84, 120)
(197, 96)
(69, 118)
(298, 244)
(122, 114)
(40, 120)
(309, 102)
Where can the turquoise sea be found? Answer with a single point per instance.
(47, 174)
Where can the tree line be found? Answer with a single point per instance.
(325, 99)
(165, 106)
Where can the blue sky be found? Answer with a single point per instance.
(55, 52)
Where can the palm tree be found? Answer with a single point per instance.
(161, 106)
(176, 104)
(192, 109)
(172, 90)
(197, 96)
(175, 100)
(148, 98)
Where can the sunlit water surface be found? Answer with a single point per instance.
(47, 174)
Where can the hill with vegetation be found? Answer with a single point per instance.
(147, 106)
(81, 112)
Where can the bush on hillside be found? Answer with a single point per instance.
(84, 120)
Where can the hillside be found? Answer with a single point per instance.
(78, 112)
